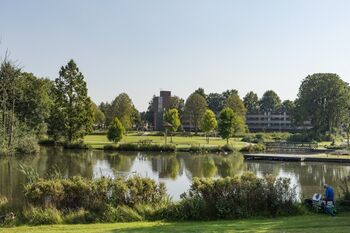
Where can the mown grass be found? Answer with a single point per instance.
(98, 141)
(309, 223)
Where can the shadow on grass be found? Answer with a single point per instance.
(308, 223)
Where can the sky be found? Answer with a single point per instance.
(142, 47)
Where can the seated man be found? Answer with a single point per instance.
(329, 195)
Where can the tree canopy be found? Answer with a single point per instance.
(71, 112)
(270, 102)
(323, 99)
(208, 123)
(194, 109)
(115, 131)
(229, 123)
(251, 102)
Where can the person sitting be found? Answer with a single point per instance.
(329, 194)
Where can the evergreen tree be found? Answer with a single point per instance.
(72, 113)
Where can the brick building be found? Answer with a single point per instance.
(161, 104)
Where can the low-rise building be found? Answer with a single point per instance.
(269, 121)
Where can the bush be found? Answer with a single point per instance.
(79, 216)
(253, 148)
(141, 147)
(28, 144)
(246, 196)
(81, 193)
(300, 137)
(120, 214)
(38, 216)
(77, 145)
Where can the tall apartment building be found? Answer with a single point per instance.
(161, 104)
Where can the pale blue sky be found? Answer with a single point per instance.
(140, 47)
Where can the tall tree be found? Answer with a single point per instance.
(251, 102)
(72, 113)
(270, 102)
(98, 115)
(236, 104)
(228, 123)
(215, 102)
(208, 123)
(123, 108)
(178, 103)
(194, 109)
(287, 106)
(9, 75)
(201, 92)
(147, 117)
(323, 98)
(172, 118)
(33, 101)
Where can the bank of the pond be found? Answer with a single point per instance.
(309, 223)
(300, 157)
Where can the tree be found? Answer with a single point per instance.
(123, 108)
(172, 118)
(236, 104)
(287, 107)
(9, 75)
(148, 115)
(115, 131)
(229, 123)
(98, 115)
(201, 92)
(270, 102)
(208, 123)
(323, 99)
(215, 102)
(71, 113)
(251, 102)
(194, 109)
(177, 103)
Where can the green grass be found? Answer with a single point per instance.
(309, 223)
(98, 141)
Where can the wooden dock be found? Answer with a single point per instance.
(296, 158)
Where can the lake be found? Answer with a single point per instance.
(175, 170)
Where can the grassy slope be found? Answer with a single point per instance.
(311, 223)
(98, 141)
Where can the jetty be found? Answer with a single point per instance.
(299, 157)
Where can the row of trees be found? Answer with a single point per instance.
(32, 108)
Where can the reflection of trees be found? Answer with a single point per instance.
(309, 177)
(200, 166)
(230, 165)
(121, 162)
(209, 167)
(170, 166)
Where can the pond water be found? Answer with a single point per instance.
(175, 170)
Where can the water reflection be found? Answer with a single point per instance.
(175, 170)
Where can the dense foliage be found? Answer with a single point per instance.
(72, 113)
(115, 131)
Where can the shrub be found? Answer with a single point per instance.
(39, 216)
(81, 193)
(252, 148)
(243, 196)
(44, 193)
(77, 145)
(120, 214)
(28, 144)
(79, 216)
(128, 147)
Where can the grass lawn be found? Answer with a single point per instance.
(309, 223)
(98, 141)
